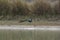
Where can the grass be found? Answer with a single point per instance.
(35, 23)
(29, 35)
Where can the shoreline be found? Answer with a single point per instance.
(14, 27)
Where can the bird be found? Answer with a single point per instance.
(29, 20)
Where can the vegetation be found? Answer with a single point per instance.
(44, 10)
(29, 35)
(9, 10)
(17, 9)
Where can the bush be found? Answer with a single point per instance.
(41, 8)
(13, 8)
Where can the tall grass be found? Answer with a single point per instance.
(57, 8)
(13, 8)
(42, 8)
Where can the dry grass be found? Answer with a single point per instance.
(35, 23)
(41, 8)
(13, 8)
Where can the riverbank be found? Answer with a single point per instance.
(35, 23)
